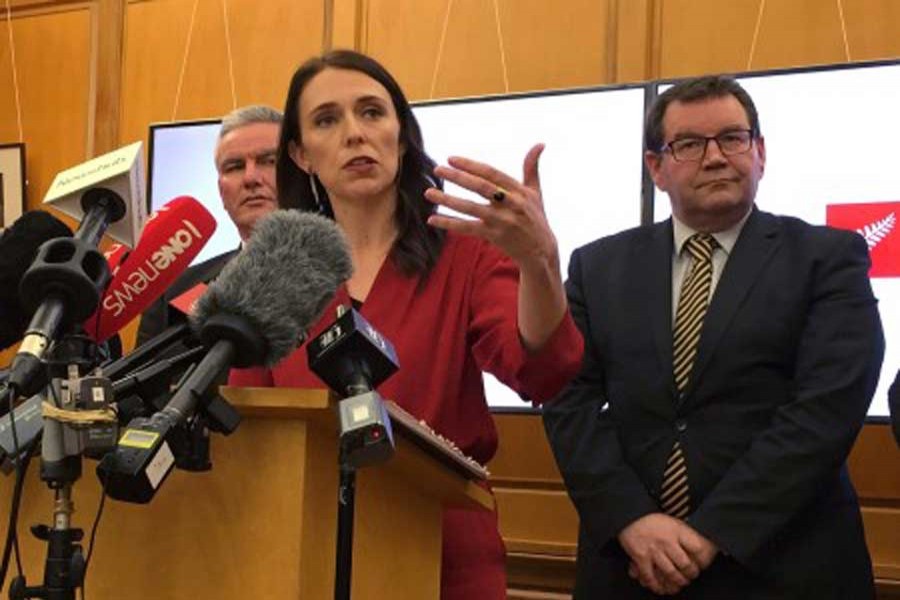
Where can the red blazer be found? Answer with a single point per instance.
(460, 322)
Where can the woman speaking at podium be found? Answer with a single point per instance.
(455, 296)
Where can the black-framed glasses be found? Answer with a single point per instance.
(693, 149)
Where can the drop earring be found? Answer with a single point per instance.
(315, 191)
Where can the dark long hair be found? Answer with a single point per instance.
(418, 245)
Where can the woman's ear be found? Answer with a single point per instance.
(295, 151)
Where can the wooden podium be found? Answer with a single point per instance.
(262, 523)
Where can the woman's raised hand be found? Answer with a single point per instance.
(514, 219)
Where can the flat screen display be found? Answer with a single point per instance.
(590, 170)
(182, 164)
(829, 137)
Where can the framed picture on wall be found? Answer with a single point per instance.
(12, 183)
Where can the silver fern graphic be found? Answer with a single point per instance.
(877, 231)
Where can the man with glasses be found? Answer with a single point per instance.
(730, 357)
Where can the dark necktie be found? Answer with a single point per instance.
(692, 304)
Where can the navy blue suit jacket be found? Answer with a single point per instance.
(788, 360)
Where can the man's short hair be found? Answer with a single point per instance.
(695, 90)
(241, 117)
(248, 115)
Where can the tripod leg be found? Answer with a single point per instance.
(64, 566)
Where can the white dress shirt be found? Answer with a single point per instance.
(683, 262)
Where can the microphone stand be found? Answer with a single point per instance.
(62, 446)
(346, 503)
(346, 508)
(353, 358)
(64, 284)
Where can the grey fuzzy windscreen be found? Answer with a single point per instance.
(282, 280)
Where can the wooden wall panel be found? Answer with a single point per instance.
(109, 29)
(546, 45)
(9, 131)
(40, 4)
(538, 522)
(873, 29)
(707, 36)
(53, 60)
(633, 30)
(342, 24)
(801, 32)
(568, 40)
(267, 42)
(540, 525)
(871, 462)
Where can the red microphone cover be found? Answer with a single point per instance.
(170, 240)
(115, 256)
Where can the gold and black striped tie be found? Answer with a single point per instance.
(692, 304)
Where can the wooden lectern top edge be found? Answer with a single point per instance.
(434, 476)
(434, 443)
(431, 471)
(277, 402)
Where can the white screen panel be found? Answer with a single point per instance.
(590, 170)
(182, 164)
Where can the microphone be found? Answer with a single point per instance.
(18, 245)
(172, 237)
(138, 380)
(117, 176)
(353, 359)
(29, 420)
(255, 313)
(169, 242)
(147, 352)
(62, 285)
